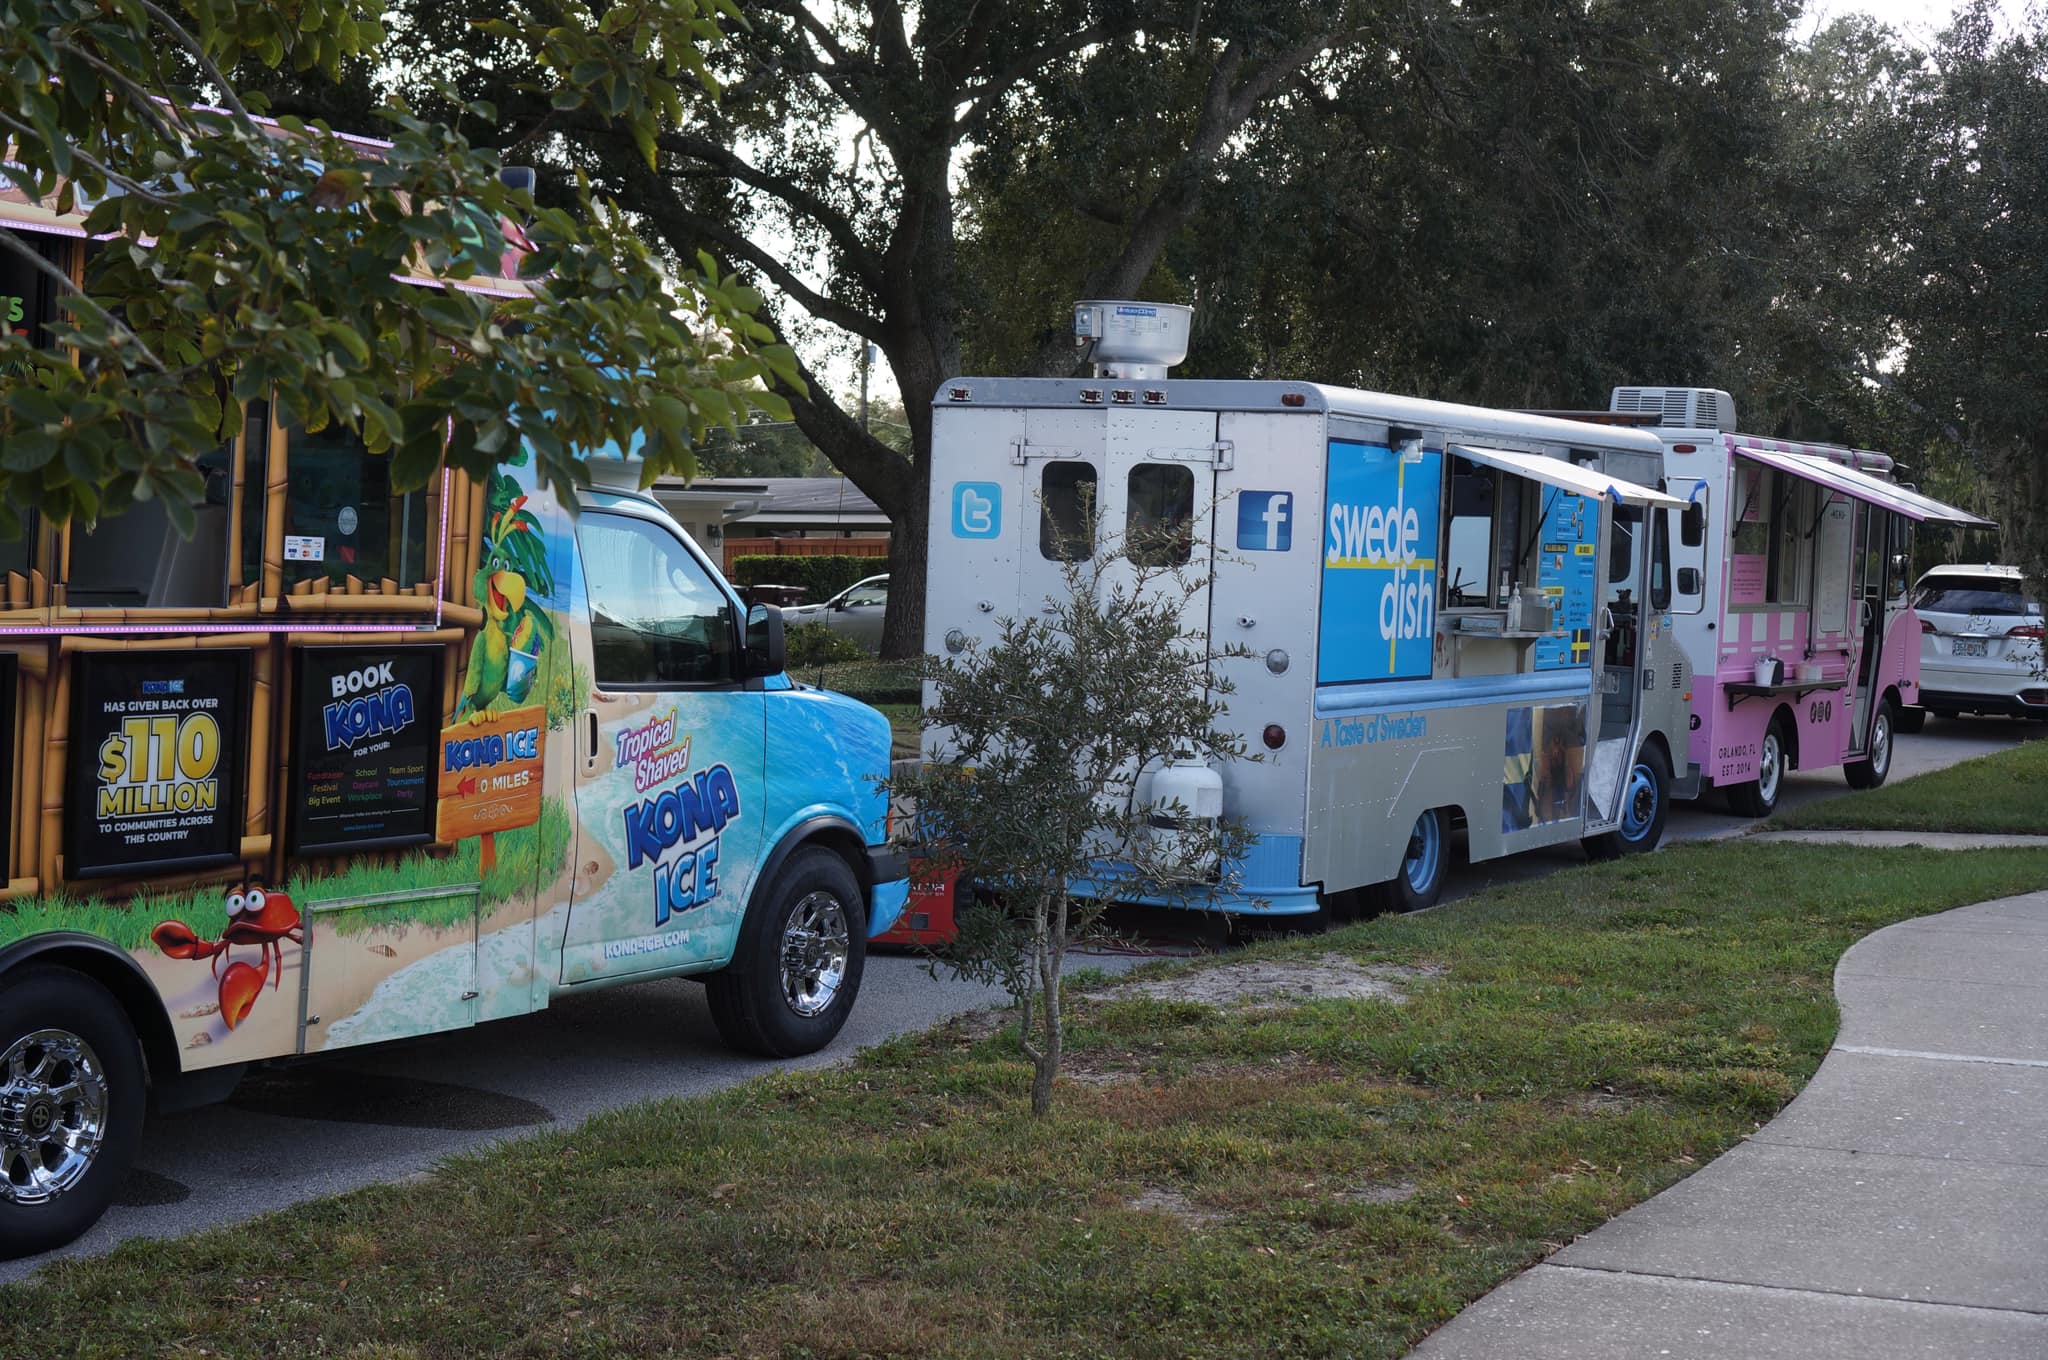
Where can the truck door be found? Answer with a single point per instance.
(1058, 487)
(669, 759)
(1159, 497)
(1867, 616)
(1622, 616)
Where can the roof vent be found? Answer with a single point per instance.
(1133, 340)
(1679, 408)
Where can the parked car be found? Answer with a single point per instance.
(855, 612)
(1980, 643)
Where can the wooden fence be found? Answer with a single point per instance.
(803, 547)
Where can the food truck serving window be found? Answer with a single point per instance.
(657, 620)
(1468, 556)
(1771, 548)
(28, 303)
(343, 519)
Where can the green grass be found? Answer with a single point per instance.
(527, 855)
(2004, 792)
(1349, 1173)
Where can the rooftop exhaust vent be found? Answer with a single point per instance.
(1679, 408)
(1133, 340)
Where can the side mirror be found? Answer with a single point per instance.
(1692, 526)
(766, 654)
(1689, 582)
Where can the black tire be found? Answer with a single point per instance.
(1646, 802)
(1909, 719)
(1424, 867)
(1759, 797)
(65, 1043)
(1870, 772)
(814, 906)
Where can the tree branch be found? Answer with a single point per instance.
(206, 64)
(1226, 105)
(860, 258)
(140, 99)
(741, 247)
(982, 96)
(113, 176)
(13, 246)
(892, 37)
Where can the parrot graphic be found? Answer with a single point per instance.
(505, 656)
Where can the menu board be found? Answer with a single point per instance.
(154, 777)
(364, 733)
(1567, 569)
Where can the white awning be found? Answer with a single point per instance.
(1860, 485)
(1572, 477)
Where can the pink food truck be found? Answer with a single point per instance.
(1792, 564)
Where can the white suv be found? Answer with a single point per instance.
(1980, 643)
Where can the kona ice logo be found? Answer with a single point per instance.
(676, 832)
(368, 703)
(1379, 564)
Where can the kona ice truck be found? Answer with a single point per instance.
(1793, 563)
(349, 764)
(1459, 620)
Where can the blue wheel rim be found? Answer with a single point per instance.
(1639, 804)
(1425, 853)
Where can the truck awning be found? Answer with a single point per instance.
(1572, 477)
(1861, 486)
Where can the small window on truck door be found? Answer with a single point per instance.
(657, 618)
(1160, 518)
(1066, 527)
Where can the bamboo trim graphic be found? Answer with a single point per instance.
(276, 504)
(240, 464)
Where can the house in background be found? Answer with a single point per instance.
(808, 516)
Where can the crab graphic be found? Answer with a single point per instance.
(256, 916)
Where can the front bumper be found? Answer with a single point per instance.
(889, 871)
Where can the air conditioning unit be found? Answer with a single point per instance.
(1678, 408)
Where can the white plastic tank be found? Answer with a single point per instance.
(1184, 809)
(1136, 340)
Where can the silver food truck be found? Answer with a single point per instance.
(1459, 619)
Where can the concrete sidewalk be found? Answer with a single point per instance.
(1898, 1207)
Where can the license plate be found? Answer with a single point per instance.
(1971, 647)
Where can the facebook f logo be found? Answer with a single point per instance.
(1265, 521)
(977, 509)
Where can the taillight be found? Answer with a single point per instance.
(1926, 627)
(2026, 630)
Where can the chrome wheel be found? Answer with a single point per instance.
(815, 943)
(1881, 742)
(53, 1115)
(1769, 766)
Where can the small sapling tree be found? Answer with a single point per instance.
(1036, 748)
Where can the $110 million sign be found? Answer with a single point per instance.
(154, 777)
